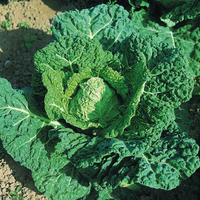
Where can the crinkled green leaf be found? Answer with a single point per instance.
(188, 37)
(185, 34)
(114, 162)
(188, 10)
(153, 66)
(96, 157)
(25, 137)
(71, 55)
(169, 161)
(55, 100)
(101, 22)
(144, 24)
(183, 118)
(184, 20)
(150, 122)
(87, 145)
(168, 82)
(115, 79)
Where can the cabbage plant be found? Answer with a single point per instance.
(99, 115)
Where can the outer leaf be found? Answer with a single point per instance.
(186, 33)
(144, 24)
(98, 159)
(69, 54)
(150, 122)
(101, 22)
(115, 162)
(168, 82)
(170, 160)
(109, 24)
(157, 76)
(25, 137)
(188, 37)
(54, 99)
(188, 10)
(99, 193)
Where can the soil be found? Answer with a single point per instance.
(16, 65)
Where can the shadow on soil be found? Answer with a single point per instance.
(16, 54)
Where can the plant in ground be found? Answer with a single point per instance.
(14, 194)
(6, 24)
(28, 41)
(48, 29)
(99, 116)
(24, 24)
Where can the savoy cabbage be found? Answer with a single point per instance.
(99, 115)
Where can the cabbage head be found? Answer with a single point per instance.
(95, 102)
